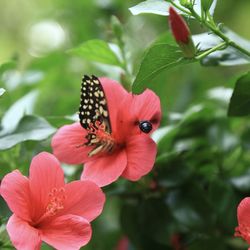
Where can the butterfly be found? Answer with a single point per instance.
(94, 115)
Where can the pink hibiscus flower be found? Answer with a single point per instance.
(46, 209)
(243, 215)
(118, 145)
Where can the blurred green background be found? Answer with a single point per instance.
(36, 35)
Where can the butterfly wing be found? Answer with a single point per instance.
(93, 105)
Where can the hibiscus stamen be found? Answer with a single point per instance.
(56, 201)
(99, 138)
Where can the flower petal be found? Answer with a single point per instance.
(106, 169)
(45, 175)
(84, 198)
(16, 192)
(143, 107)
(114, 93)
(243, 220)
(68, 232)
(141, 153)
(243, 212)
(68, 144)
(22, 235)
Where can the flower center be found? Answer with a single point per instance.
(99, 137)
(56, 201)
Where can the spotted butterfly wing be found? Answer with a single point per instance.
(93, 106)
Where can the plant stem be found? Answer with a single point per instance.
(126, 79)
(181, 8)
(236, 46)
(209, 51)
(211, 26)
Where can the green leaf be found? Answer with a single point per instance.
(226, 57)
(29, 128)
(208, 243)
(154, 212)
(134, 217)
(240, 101)
(169, 176)
(6, 66)
(194, 122)
(2, 91)
(20, 108)
(117, 27)
(218, 187)
(190, 206)
(242, 182)
(97, 51)
(159, 57)
(197, 7)
(161, 7)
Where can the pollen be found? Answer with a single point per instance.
(56, 201)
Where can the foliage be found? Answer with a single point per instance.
(201, 172)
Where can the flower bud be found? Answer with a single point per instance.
(186, 3)
(181, 33)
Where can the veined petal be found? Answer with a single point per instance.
(22, 235)
(83, 198)
(46, 174)
(68, 144)
(141, 152)
(135, 108)
(106, 169)
(16, 192)
(115, 94)
(68, 232)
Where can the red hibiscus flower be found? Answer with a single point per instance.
(243, 215)
(127, 151)
(47, 209)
